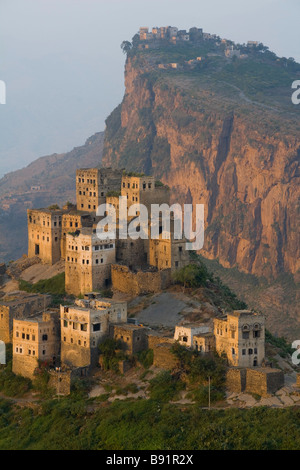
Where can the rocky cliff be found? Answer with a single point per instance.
(224, 134)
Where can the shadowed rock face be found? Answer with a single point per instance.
(236, 156)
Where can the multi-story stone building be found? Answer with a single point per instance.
(47, 229)
(35, 340)
(44, 234)
(93, 184)
(132, 253)
(88, 261)
(142, 190)
(71, 222)
(82, 329)
(20, 307)
(116, 309)
(185, 334)
(85, 324)
(70, 233)
(204, 342)
(241, 336)
(133, 338)
(168, 253)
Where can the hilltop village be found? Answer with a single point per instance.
(67, 340)
(159, 36)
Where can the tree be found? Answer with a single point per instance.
(126, 46)
(135, 40)
(192, 275)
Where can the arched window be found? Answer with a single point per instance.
(245, 331)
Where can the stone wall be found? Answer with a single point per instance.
(133, 338)
(62, 381)
(78, 356)
(5, 324)
(236, 380)
(131, 252)
(24, 365)
(124, 366)
(155, 339)
(262, 381)
(163, 357)
(139, 282)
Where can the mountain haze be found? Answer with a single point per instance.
(55, 175)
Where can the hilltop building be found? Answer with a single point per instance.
(204, 342)
(132, 337)
(168, 253)
(44, 234)
(252, 43)
(88, 261)
(230, 52)
(35, 340)
(82, 329)
(185, 334)
(93, 185)
(241, 336)
(18, 307)
(143, 190)
(70, 234)
(47, 229)
(84, 325)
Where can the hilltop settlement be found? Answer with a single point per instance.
(67, 340)
(124, 301)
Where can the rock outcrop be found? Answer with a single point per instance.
(211, 144)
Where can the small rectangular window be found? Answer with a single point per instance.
(96, 326)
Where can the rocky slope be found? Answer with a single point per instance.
(224, 134)
(55, 175)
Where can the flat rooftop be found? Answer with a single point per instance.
(128, 326)
(244, 313)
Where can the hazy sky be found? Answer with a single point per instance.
(63, 66)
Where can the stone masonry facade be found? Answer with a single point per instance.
(71, 234)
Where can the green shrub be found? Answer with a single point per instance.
(165, 387)
(201, 395)
(55, 285)
(132, 388)
(192, 275)
(281, 343)
(146, 358)
(13, 385)
(111, 351)
(108, 293)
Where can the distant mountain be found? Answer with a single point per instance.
(45, 181)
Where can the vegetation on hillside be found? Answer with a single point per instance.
(197, 275)
(203, 374)
(74, 424)
(55, 285)
(111, 354)
(12, 385)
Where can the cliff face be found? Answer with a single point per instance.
(212, 144)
